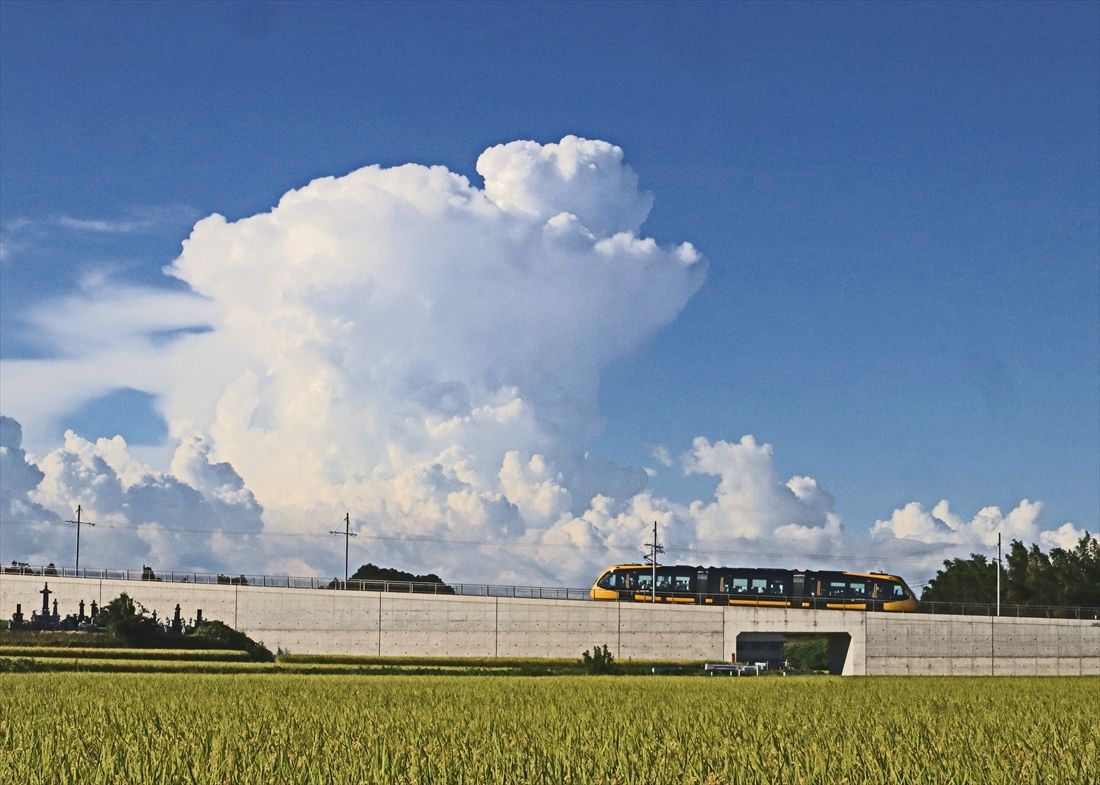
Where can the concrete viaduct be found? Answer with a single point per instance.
(321, 621)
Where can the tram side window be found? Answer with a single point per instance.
(848, 590)
(759, 586)
(679, 584)
(777, 588)
(897, 593)
(739, 586)
(643, 582)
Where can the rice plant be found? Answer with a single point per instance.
(93, 728)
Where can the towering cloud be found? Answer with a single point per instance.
(372, 322)
(413, 348)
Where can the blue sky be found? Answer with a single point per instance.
(898, 204)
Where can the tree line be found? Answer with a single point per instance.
(1069, 577)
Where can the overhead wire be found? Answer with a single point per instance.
(720, 549)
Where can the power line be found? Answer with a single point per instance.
(700, 548)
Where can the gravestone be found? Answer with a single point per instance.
(46, 599)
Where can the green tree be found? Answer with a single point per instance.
(807, 653)
(430, 582)
(1081, 571)
(964, 580)
(1031, 579)
(1028, 577)
(126, 620)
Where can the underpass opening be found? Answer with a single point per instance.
(828, 650)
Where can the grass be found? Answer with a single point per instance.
(344, 729)
(530, 666)
(82, 640)
(47, 654)
(120, 653)
(103, 661)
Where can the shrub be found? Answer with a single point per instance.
(233, 639)
(600, 660)
(21, 665)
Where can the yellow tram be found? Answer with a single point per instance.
(855, 591)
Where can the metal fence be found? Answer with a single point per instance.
(292, 582)
(1018, 611)
(528, 592)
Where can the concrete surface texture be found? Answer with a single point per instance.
(320, 621)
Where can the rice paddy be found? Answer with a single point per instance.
(98, 728)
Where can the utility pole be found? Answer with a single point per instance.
(998, 573)
(78, 522)
(655, 548)
(347, 534)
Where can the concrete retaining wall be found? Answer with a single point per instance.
(318, 621)
(979, 645)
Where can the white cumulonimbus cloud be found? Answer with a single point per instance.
(404, 345)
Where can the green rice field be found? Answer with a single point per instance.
(88, 728)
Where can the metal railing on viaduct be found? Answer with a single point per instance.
(526, 592)
(292, 582)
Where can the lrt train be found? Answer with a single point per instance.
(856, 591)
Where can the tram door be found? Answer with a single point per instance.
(701, 587)
(799, 590)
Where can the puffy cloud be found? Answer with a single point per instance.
(942, 526)
(134, 509)
(1066, 536)
(753, 512)
(578, 181)
(752, 501)
(927, 537)
(37, 527)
